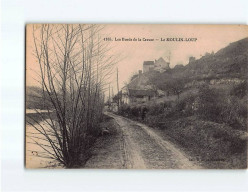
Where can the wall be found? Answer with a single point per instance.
(146, 68)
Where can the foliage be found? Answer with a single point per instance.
(240, 90)
(216, 106)
(209, 103)
(73, 65)
(169, 82)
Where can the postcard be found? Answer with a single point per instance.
(136, 96)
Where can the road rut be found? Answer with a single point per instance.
(143, 148)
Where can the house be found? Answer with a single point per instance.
(129, 96)
(159, 65)
(148, 66)
(139, 82)
(141, 95)
(139, 90)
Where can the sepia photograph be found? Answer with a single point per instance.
(136, 96)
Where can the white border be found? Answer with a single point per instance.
(16, 13)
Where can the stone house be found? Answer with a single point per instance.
(148, 66)
(159, 65)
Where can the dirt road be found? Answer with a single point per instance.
(137, 147)
(146, 149)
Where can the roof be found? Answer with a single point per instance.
(141, 92)
(148, 63)
(139, 82)
(161, 59)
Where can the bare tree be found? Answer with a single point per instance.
(74, 68)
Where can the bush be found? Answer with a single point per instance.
(124, 110)
(233, 113)
(156, 109)
(135, 111)
(240, 90)
(209, 104)
(222, 108)
(130, 111)
(185, 106)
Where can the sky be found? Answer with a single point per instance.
(207, 38)
(134, 53)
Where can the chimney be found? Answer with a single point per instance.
(140, 73)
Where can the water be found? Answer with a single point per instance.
(33, 150)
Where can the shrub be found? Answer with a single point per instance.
(135, 111)
(209, 103)
(222, 108)
(233, 112)
(185, 106)
(240, 90)
(124, 109)
(156, 109)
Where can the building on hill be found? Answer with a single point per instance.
(141, 95)
(139, 82)
(159, 65)
(130, 96)
(148, 66)
(138, 90)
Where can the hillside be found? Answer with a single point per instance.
(35, 98)
(230, 61)
(205, 106)
(228, 65)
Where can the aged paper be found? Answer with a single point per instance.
(120, 96)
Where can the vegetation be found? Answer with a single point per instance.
(211, 123)
(73, 65)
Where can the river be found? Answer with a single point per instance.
(33, 150)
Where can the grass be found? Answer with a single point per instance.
(213, 145)
(214, 133)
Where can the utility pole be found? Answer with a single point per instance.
(169, 57)
(109, 94)
(112, 95)
(118, 98)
